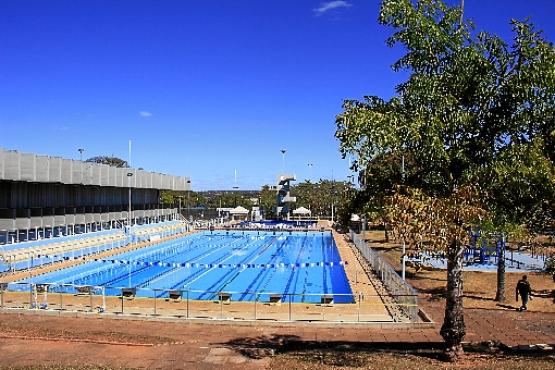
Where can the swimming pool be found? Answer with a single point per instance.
(248, 265)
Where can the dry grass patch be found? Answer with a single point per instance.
(479, 287)
(365, 360)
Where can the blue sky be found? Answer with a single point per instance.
(202, 87)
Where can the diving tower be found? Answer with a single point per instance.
(284, 197)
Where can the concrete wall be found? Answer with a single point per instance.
(29, 167)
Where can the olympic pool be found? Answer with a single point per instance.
(248, 265)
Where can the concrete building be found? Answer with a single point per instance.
(43, 196)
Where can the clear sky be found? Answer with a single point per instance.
(202, 87)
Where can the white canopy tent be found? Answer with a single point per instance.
(239, 213)
(302, 211)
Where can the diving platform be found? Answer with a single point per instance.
(284, 198)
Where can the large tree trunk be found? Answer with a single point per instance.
(500, 295)
(453, 329)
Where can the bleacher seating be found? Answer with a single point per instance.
(39, 252)
(25, 255)
(150, 232)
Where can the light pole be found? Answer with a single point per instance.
(332, 196)
(129, 175)
(310, 165)
(283, 151)
(180, 197)
(235, 188)
(81, 150)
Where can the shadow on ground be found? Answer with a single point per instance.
(341, 352)
(355, 354)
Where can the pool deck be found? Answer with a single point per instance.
(369, 309)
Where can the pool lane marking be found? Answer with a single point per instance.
(127, 275)
(294, 273)
(264, 249)
(199, 257)
(191, 275)
(175, 247)
(273, 239)
(226, 258)
(262, 275)
(85, 274)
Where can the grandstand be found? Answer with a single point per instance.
(43, 197)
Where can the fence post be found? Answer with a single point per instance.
(358, 311)
(187, 312)
(255, 299)
(154, 292)
(31, 298)
(90, 298)
(289, 307)
(103, 299)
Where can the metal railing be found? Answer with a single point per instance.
(146, 302)
(402, 293)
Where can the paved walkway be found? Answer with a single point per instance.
(508, 327)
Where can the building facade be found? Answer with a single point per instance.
(43, 196)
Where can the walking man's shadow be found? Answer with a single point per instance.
(508, 306)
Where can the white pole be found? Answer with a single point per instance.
(283, 151)
(129, 186)
(404, 257)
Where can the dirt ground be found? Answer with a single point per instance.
(368, 360)
(37, 341)
(479, 287)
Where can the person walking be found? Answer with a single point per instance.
(523, 290)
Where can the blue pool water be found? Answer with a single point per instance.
(304, 265)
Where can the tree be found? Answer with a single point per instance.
(319, 197)
(110, 161)
(468, 103)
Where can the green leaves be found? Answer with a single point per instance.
(474, 110)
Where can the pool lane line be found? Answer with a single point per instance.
(260, 276)
(304, 286)
(137, 271)
(144, 282)
(121, 275)
(189, 276)
(85, 274)
(294, 272)
(68, 264)
(225, 257)
(272, 241)
(199, 257)
(180, 248)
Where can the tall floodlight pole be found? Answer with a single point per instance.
(310, 165)
(129, 175)
(332, 196)
(283, 151)
(81, 150)
(235, 188)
